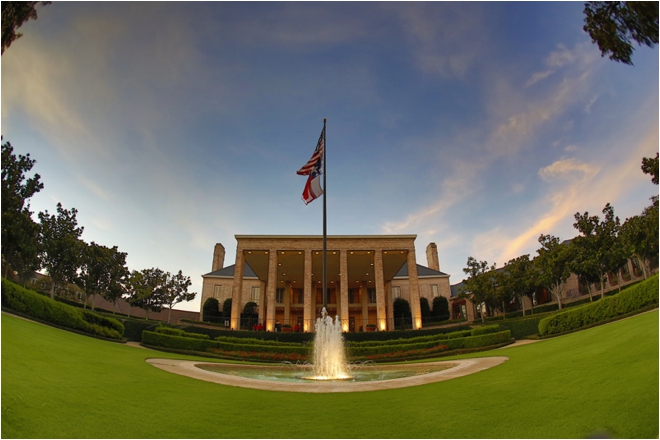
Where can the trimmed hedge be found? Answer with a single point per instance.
(485, 329)
(135, 326)
(637, 297)
(178, 332)
(523, 328)
(30, 303)
(480, 340)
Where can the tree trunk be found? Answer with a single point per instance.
(169, 314)
(522, 303)
(93, 301)
(504, 310)
(602, 286)
(52, 289)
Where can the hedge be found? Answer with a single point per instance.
(480, 340)
(178, 332)
(635, 298)
(485, 329)
(30, 303)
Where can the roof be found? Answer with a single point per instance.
(422, 272)
(228, 272)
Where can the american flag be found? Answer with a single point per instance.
(313, 186)
(317, 157)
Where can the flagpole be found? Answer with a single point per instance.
(325, 227)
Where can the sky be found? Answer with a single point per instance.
(172, 126)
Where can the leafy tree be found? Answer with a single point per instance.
(518, 278)
(20, 234)
(401, 312)
(585, 263)
(640, 236)
(61, 246)
(250, 314)
(552, 263)
(612, 25)
(425, 308)
(650, 166)
(441, 308)
(211, 310)
(103, 271)
(480, 286)
(601, 237)
(146, 289)
(226, 309)
(176, 291)
(14, 14)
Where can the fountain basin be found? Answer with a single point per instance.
(456, 368)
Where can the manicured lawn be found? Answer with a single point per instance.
(601, 380)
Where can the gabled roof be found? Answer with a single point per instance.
(228, 272)
(422, 272)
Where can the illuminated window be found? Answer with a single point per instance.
(372, 295)
(396, 292)
(255, 294)
(279, 296)
(434, 290)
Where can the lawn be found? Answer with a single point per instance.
(598, 381)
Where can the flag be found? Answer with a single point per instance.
(318, 155)
(313, 186)
(313, 169)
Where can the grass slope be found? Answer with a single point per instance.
(601, 380)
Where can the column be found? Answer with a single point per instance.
(287, 303)
(307, 307)
(390, 306)
(271, 285)
(415, 308)
(343, 291)
(380, 290)
(364, 300)
(237, 290)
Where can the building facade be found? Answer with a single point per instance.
(283, 275)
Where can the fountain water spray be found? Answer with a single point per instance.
(329, 356)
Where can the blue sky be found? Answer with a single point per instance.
(478, 126)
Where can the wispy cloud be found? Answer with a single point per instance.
(568, 167)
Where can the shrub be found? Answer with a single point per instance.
(485, 329)
(32, 304)
(485, 340)
(183, 343)
(637, 297)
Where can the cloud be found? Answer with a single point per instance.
(568, 167)
(556, 60)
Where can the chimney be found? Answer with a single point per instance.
(432, 257)
(218, 257)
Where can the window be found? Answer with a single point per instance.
(372, 295)
(279, 296)
(434, 290)
(354, 296)
(217, 291)
(255, 294)
(396, 292)
(298, 296)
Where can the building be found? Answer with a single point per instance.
(283, 275)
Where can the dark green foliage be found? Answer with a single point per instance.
(178, 332)
(211, 310)
(402, 314)
(14, 14)
(158, 339)
(612, 25)
(30, 303)
(650, 164)
(226, 309)
(522, 328)
(635, 298)
(134, 328)
(485, 329)
(425, 308)
(479, 341)
(441, 308)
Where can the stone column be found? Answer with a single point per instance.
(390, 306)
(380, 290)
(237, 290)
(271, 285)
(364, 300)
(287, 303)
(343, 295)
(307, 299)
(415, 308)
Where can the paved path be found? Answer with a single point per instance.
(458, 368)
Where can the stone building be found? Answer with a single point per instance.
(283, 275)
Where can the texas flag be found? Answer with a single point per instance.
(313, 169)
(313, 186)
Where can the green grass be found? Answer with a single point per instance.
(600, 380)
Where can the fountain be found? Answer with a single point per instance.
(329, 357)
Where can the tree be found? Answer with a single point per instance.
(102, 272)
(612, 25)
(61, 251)
(250, 315)
(425, 308)
(176, 291)
(650, 166)
(226, 309)
(20, 234)
(640, 236)
(401, 312)
(518, 278)
(602, 241)
(146, 289)
(211, 310)
(585, 264)
(479, 287)
(14, 14)
(552, 263)
(441, 308)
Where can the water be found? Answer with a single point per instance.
(329, 355)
